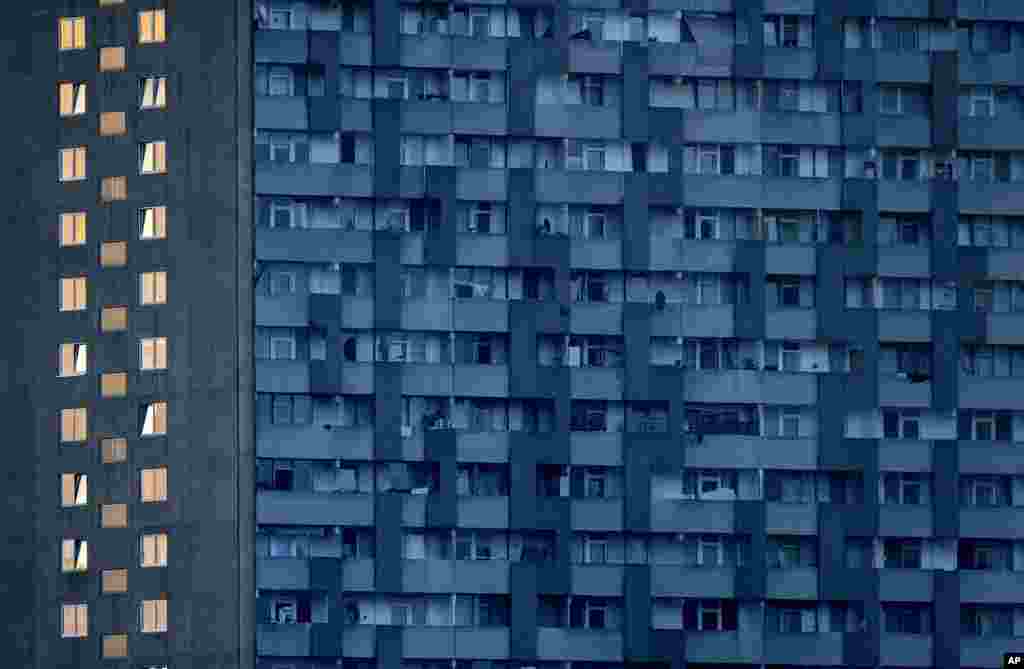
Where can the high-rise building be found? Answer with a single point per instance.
(563, 335)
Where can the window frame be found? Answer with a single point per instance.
(152, 26)
(153, 92)
(73, 28)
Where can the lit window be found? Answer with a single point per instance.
(114, 319)
(114, 254)
(115, 646)
(72, 164)
(154, 484)
(74, 556)
(72, 294)
(112, 123)
(153, 287)
(154, 420)
(75, 623)
(114, 385)
(72, 229)
(112, 59)
(151, 26)
(114, 515)
(153, 353)
(153, 550)
(154, 93)
(74, 489)
(153, 223)
(110, 3)
(153, 157)
(115, 580)
(114, 188)
(71, 33)
(153, 615)
(72, 359)
(72, 99)
(73, 425)
(114, 450)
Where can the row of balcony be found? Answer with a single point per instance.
(592, 187)
(606, 515)
(605, 122)
(663, 58)
(604, 646)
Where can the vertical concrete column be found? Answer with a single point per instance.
(750, 316)
(439, 246)
(324, 112)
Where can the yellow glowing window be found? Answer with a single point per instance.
(72, 163)
(74, 556)
(154, 93)
(153, 287)
(112, 123)
(72, 293)
(71, 33)
(153, 157)
(75, 621)
(115, 645)
(114, 319)
(114, 254)
(153, 484)
(72, 98)
(114, 188)
(114, 384)
(114, 515)
(154, 419)
(153, 223)
(115, 580)
(74, 489)
(73, 425)
(112, 59)
(72, 228)
(114, 450)
(153, 550)
(152, 27)
(153, 353)
(72, 359)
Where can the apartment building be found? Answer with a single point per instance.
(589, 334)
(127, 370)
(506, 335)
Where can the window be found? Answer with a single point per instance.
(71, 32)
(904, 488)
(114, 188)
(114, 385)
(74, 490)
(115, 646)
(152, 27)
(788, 31)
(71, 98)
(113, 254)
(901, 424)
(153, 288)
(114, 450)
(114, 515)
(73, 294)
(112, 123)
(74, 556)
(115, 581)
(112, 59)
(153, 616)
(114, 319)
(153, 223)
(982, 101)
(153, 484)
(282, 347)
(154, 420)
(72, 164)
(73, 425)
(153, 157)
(153, 550)
(153, 93)
(72, 228)
(72, 359)
(75, 623)
(153, 353)
(902, 553)
(281, 81)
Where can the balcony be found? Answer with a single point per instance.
(277, 640)
(578, 121)
(904, 326)
(718, 451)
(899, 392)
(790, 259)
(483, 512)
(282, 376)
(599, 254)
(905, 650)
(678, 581)
(280, 46)
(799, 583)
(281, 112)
(597, 317)
(597, 580)
(898, 520)
(426, 379)
(905, 585)
(355, 50)
(474, 53)
(282, 311)
(791, 323)
(314, 246)
(275, 507)
(427, 314)
(782, 63)
(426, 117)
(824, 649)
(900, 196)
(904, 131)
(596, 448)
(910, 67)
(479, 183)
(597, 515)
(555, 643)
(1005, 329)
(475, 118)
(482, 447)
(1005, 522)
(425, 51)
(992, 198)
(282, 574)
(688, 516)
(595, 57)
(785, 518)
(990, 393)
(597, 383)
(904, 261)
(481, 380)
(300, 179)
(721, 647)
(356, 115)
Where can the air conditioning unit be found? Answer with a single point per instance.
(335, 267)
